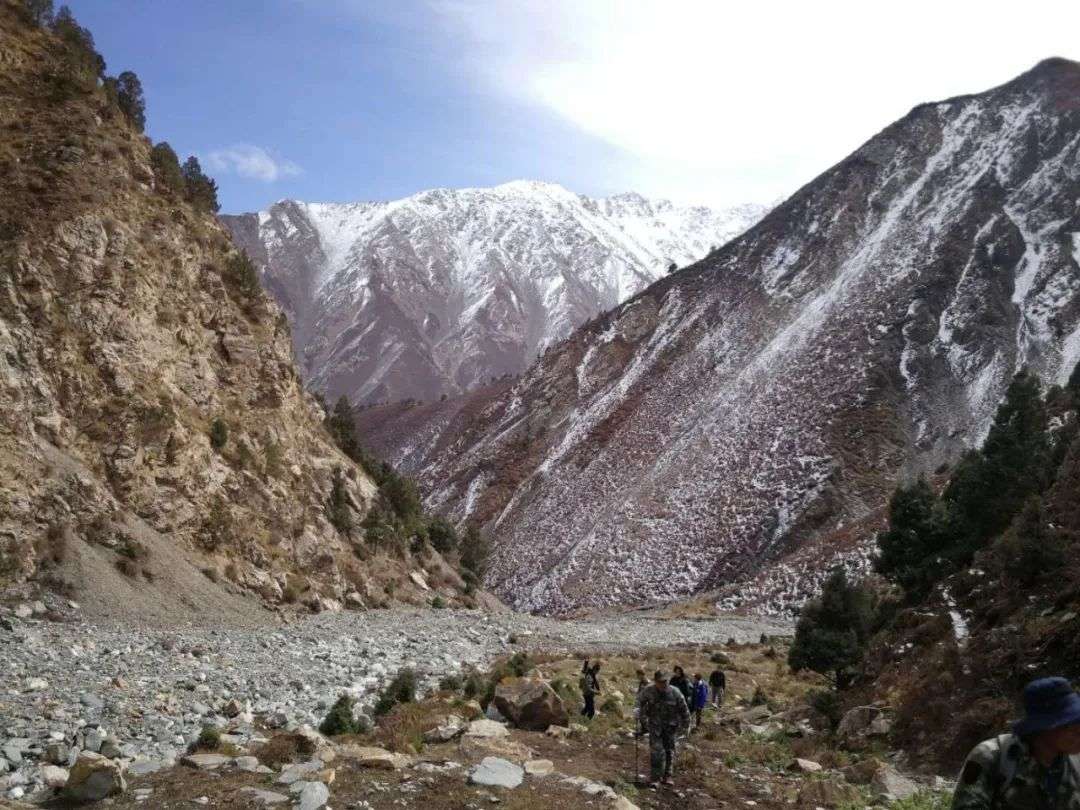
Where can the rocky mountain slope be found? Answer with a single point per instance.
(769, 397)
(158, 452)
(441, 291)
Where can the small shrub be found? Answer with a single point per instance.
(219, 434)
(126, 567)
(442, 535)
(451, 683)
(339, 720)
(402, 689)
(438, 603)
(760, 697)
(211, 574)
(209, 739)
(473, 685)
(240, 272)
(827, 703)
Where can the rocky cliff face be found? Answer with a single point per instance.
(123, 340)
(768, 398)
(442, 291)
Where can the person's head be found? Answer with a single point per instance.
(679, 672)
(596, 666)
(660, 680)
(697, 676)
(641, 674)
(1051, 721)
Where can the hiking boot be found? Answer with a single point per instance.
(667, 780)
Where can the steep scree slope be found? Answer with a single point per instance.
(443, 290)
(122, 339)
(772, 394)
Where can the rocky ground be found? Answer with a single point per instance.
(764, 747)
(142, 696)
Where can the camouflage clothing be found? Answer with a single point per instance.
(663, 714)
(1001, 774)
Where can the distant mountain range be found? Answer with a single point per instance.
(436, 293)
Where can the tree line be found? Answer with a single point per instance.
(993, 505)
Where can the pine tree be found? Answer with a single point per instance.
(338, 510)
(40, 11)
(832, 632)
(910, 549)
(989, 487)
(129, 98)
(166, 166)
(81, 57)
(474, 551)
(201, 190)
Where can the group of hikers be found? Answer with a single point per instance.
(1036, 767)
(665, 708)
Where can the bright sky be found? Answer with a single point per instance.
(695, 100)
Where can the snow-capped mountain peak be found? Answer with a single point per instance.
(446, 288)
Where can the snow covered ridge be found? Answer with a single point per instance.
(443, 290)
(767, 400)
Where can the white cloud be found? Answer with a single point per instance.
(253, 162)
(724, 102)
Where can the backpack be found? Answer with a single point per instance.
(1006, 765)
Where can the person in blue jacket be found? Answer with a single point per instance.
(699, 698)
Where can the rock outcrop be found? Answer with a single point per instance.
(158, 451)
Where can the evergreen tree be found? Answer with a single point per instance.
(40, 11)
(81, 57)
(129, 98)
(1032, 548)
(833, 630)
(910, 549)
(201, 190)
(442, 534)
(166, 166)
(338, 510)
(474, 551)
(989, 487)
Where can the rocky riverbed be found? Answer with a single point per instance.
(143, 695)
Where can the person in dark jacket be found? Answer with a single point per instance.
(699, 699)
(662, 714)
(718, 685)
(682, 683)
(590, 687)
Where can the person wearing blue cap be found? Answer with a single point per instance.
(1037, 767)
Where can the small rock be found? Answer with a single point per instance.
(486, 728)
(496, 772)
(264, 797)
(367, 756)
(205, 762)
(312, 795)
(806, 765)
(54, 777)
(36, 685)
(539, 767)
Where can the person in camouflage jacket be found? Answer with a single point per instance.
(1037, 767)
(663, 713)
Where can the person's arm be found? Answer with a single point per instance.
(975, 787)
(684, 712)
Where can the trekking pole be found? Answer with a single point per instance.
(637, 771)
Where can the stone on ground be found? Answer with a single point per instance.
(486, 728)
(264, 797)
(311, 795)
(806, 765)
(367, 756)
(892, 785)
(496, 772)
(530, 704)
(449, 729)
(94, 778)
(54, 776)
(205, 762)
(539, 767)
(825, 793)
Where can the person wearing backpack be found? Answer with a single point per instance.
(1037, 767)
(590, 687)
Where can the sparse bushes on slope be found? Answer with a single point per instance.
(339, 720)
(338, 510)
(219, 434)
(166, 166)
(200, 190)
(402, 689)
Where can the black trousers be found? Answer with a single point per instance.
(590, 707)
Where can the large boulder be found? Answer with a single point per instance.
(530, 704)
(93, 778)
